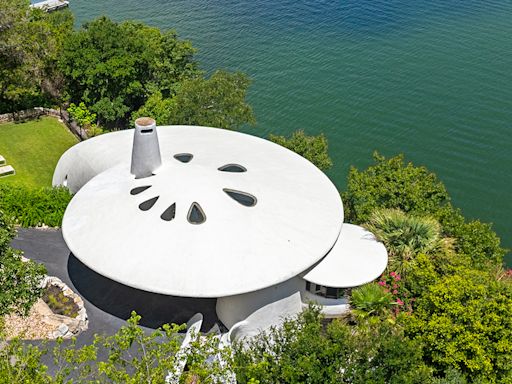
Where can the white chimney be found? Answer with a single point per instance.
(146, 150)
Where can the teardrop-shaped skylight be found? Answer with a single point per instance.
(243, 198)
(233, 168)
(137, 190)
(148, 204)
(184, 157)
(196, 214)
(169, 213)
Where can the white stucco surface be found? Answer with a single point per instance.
(356, 259)
(238, 249)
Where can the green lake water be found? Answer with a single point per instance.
(430, 79)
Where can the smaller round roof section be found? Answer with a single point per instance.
(226, 213)
(356, 259)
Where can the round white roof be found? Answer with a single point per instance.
(198, 231)
(356, 259)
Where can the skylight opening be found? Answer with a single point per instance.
(148, 204)
(169, 213)
(244, 198)
(184, 157)
(137, 190)
(196, 214)
(236, 168)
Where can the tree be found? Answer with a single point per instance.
(114, 67)
(84, 118)
(464, 321)
(30, 42)
(130, 356)
(304, 351)
(313, 148)
(215, 102)
(406, 236)
(390, 183)
(371, 299)
(20, 281)
(20, 56)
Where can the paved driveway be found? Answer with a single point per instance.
(107, 302)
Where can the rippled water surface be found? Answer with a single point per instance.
(430, 79)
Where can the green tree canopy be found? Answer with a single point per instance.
(392, 183)
(305, 351)
(30, 42)
(114, 67)
(464, 321)
(218, 101)
(313, 148)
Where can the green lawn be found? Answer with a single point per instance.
(33, 149)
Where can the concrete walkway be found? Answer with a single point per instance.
(107, 302)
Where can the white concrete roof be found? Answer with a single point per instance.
(295, 222)
(356, 259)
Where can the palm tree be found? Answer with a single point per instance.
(406, 236)
(370, 299)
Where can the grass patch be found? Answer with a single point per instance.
(33, 149)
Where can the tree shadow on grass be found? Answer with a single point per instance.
(119, 300)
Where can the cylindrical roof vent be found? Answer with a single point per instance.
(146, 150)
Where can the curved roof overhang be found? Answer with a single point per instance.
(110, 226)
(356, 259)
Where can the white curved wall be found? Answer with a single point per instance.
(83, 161)
(233, 309)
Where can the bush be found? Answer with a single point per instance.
(59, 303)
(391, 183)
(406, 236)
(304, 351)
(34, 207)
(371, 298)
(464, 321)
(19, 280)
(313, 148)
(130, 356)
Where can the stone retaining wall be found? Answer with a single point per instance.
(65, 326)
(36, 112)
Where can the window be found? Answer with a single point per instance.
(169, 213)
(243, 198)
(148, 204)
(196, 214)
(232, 168)
(327, 292)
(137, 190)
(184, 157)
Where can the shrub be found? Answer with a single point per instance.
(130, 356)
(406, 236)
(19, 280)
(371, 298)
(58, 302)
(390, 183)
(34, 207)
(304, 351)
(464, 321)
(313, 148)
